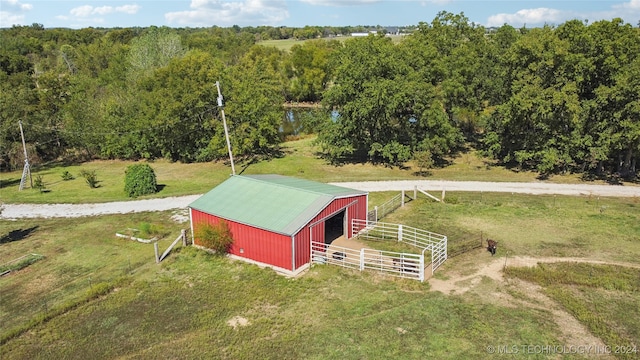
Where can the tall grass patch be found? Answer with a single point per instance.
(80, 257)
(604, 298)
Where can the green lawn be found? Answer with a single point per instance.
(285, 44)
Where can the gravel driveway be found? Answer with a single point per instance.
(15, 211)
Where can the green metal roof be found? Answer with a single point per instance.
(272, 202)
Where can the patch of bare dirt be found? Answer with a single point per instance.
(237, 321)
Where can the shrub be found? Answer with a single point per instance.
(149, 230)
(38, 183)
(424, 160)
(66, 176)
(140, 180)
(216, 237)
(90, 177)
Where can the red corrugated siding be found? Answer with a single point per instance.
(258, 245)
(357, 210)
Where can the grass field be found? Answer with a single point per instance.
(300, 160)
(97, 294)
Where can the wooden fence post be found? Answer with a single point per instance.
(155, 247)
(183, 232)
(402, 203)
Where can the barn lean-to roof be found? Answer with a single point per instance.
(272, 202)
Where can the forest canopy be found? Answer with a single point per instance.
(554, 99)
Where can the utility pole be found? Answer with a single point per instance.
(226, 131)
(27, 170)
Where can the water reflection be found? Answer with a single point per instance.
(296, 121)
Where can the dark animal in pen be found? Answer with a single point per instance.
(492, 246)
(405, 265)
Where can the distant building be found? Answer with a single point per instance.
(393, 30)
(364, 33)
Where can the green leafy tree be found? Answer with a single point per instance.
(179, 106)
(253, 93)
(370, 94)
(538, 124)
(452, 53)
(627, 113)
(154, 49)
(140, 179)
(387, 110)
(311, 70)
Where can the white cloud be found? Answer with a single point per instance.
(88, 10)
(537, 16)
(12, 12)
(339, 2)
(436, 2)
(628, 11)
(16, 5)
(82, 11)
(224, 13)
(8, 19)
(633, 5)
(102, 10)
(128, 9)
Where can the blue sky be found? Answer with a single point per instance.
(298, 13)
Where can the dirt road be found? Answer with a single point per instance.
(16, 211)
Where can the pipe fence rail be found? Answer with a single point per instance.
(404, 265)
(426, 240)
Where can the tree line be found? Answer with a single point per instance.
(553, 99)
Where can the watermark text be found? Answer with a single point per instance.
(529, 349)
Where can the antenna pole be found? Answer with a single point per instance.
(226, 131)
(27, 170)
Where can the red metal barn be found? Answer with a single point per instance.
(273, 218)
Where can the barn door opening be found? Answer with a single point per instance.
(334, 227)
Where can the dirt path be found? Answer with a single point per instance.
(572, 331)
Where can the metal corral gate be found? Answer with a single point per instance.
(403, 265)
(426, 240)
